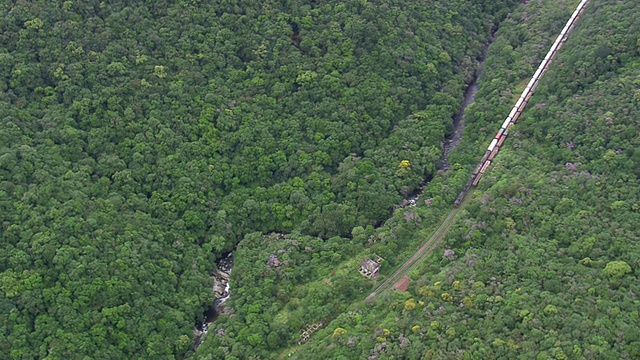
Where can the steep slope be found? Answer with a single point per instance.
(545, 256)
(139, 141)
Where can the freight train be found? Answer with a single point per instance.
(517, 109)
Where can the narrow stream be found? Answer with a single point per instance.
(455, 137)
(221, 289)
(452, 140)
(225, 264)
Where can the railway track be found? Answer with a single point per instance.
(493, 149)
(419, 255)
(484, 164)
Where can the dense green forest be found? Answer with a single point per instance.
(141, 140)
(545, 254)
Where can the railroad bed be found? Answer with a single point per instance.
(485, 162)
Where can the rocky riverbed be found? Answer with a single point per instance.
(222, 291)
(221, 277)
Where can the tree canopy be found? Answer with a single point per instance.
(140, 141)
(543, 260)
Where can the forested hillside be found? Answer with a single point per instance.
(543, 262)
(139, 141)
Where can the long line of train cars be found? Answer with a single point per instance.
(517, 109)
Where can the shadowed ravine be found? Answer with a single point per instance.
(455, 137)
(450, 143)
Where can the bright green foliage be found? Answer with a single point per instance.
(409, 305)
(550, 310)
(617, 269)
(548, 244)
(139, 141)
(339, 332)
(277, 302)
